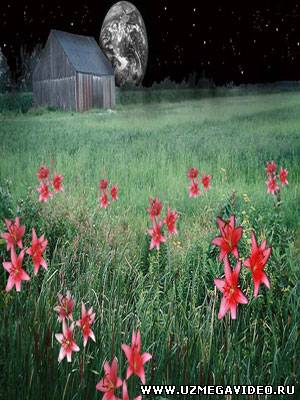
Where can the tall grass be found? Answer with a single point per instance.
(103, 258)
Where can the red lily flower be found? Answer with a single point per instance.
(272, 186)
(232, 295)
(194, 189)
(206, 181)
(170, 221)
(103, 184)
(136, 360)
(36, 251)
(104, 200)
(155, 208)
(87, 319)
(67, 342)
(110, 381)
(16, 273)
(271, 168)
(125, 393)
(114, 193)
(193, 173)
(43, 173)
(15, 233)
(230, 236)
(57, 182)
(65, 307)
(156, 234)
(44, 192)
(283, 175)
(257, 262)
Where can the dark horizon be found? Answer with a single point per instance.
(240, 43)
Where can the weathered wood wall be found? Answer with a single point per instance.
(94, 91)
(54, 64)
(109, 98)
(54, 78)
(59, 93)
(84, 91)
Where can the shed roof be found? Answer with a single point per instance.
(83, 53)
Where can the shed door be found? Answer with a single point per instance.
(84, 91)
(97, 91)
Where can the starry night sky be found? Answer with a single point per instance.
(244, 42)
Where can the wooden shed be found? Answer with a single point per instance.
(73, 74)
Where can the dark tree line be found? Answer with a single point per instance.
(22, 78)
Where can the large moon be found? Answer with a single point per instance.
(123, 39)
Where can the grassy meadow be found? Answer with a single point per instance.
(102, 256)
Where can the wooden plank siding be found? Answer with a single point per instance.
(94, 91)
(84, 91)
(53, 64)
(97, 92)
(108, 92)
(54, 78)
(58, 93)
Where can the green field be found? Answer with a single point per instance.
(102, 255)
